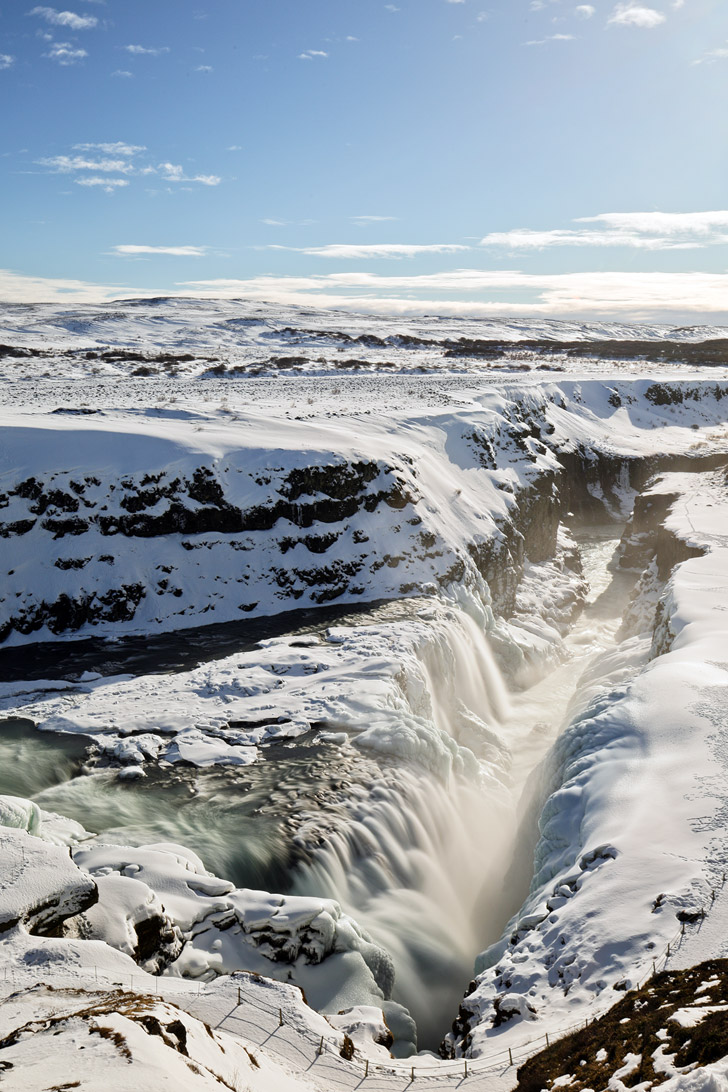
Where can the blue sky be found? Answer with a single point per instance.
(517, 156)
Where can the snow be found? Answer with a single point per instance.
(39, 884)
(620, 850)
(174, 501)
(148, 336)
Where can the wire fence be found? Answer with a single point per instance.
(179, 989)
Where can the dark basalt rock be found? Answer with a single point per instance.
(66, 613)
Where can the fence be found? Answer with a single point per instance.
(319, 1045)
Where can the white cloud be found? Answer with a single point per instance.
(116, 147)
(67, 164)
(121, 158)
(713, 55)
(123, 73)
(6, 61)
(21, 288)
(354, 251)
(372, 219)
(585, 11)
(66, 18)
(107, 184)
(637, 230)
(173, 172)
(667, 223)
(309, 54)
(204, 68)
(66, 54)
(151, 51)
(635, 15)
(131, 250)
(635, 296)
(455, 1)
(632, 295)
(552, 38)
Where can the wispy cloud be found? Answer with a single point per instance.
(372, 219)
(311, 54)
(133, 250)
(146, 51)
(6, 61)
(636, 15)
(66, 18)
(551, 38)
(713, 55)
(585, 11)
(69, 164)
(634, 296)
(123, 73)
(500, 292)
(116, 147)
(65, 54)
(204, 68)
(637, 230)
(106, 184)
(354, 251)
(173, 172)
(21, 288)
(119, 158)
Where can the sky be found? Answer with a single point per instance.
(502, 158)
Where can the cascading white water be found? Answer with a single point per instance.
(427, 866)
(420, 865)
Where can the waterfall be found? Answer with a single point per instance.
(419, 863)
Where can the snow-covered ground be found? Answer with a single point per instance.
(479, 747)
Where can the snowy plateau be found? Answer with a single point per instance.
(364, 701)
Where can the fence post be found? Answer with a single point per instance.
(413, 1074)
(466, 1069)
(280, 1018)
(547, 1038)
(321, 1046)
(366, 1070)
(510, 1056)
